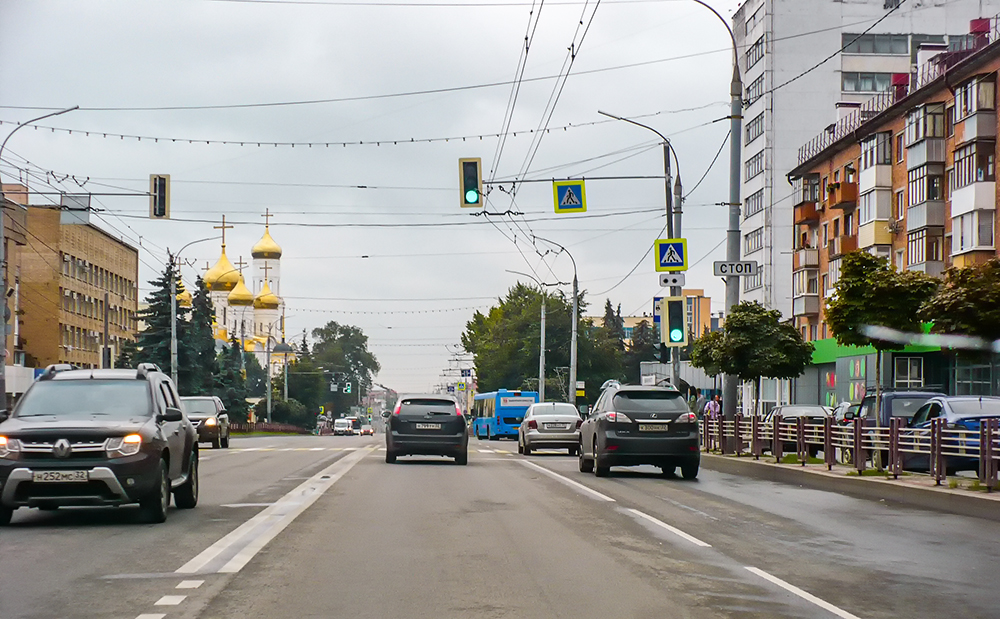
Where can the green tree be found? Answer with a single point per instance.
(344, 348)
(753, 344)
(642, 348)
(256, 381)
(230, 386)
(613, 324)
(306, 384)
(154, 340)
(127, 355)
(201, 341)
(289, 411)
(872, 293)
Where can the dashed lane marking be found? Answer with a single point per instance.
(190, 584)
(151, 616)
(569, 482)
(170, 600)
(805, 595)
(694, 540)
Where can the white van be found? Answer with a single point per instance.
(343, 427)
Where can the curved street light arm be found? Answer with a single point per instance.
(729, 29)
(25, 124)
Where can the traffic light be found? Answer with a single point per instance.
(662, 353)
(675, 329)
(470, 173)
(159, 196)
(347, 387)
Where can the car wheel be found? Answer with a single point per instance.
(154, 505)
(690, 471)
(216, 443)
(670, 472)
(489, 435)
(462, 458)
(225, 441)
(390, 456)
(186, 495)
(586, 465)
(600, 468)
(5, 515)
(527, 449)
(520, 446)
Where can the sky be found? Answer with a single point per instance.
(381, 99)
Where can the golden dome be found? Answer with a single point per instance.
(223, 276)
(240, 294)
(266, 299)
(266, 247)
(184, 298)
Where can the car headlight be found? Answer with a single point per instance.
(9, 447)
(211, 421)
(123, 446)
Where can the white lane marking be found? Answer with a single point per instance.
(190, 584)
(170, 600)
(694, 540)
(250, 504)
(569, 482)
(486, 451)
(251, 536)
(317, 448)
(805, 595)
(151, 616)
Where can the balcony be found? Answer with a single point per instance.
(805, 189)
(873, 233)
(840, 246)
(976, 196)
(805, 258)
(806, 305)
(981, 125)
(806, 213)
(928, 150)
(931, 267)
(875, 177)
(842, 195)
(929, 214)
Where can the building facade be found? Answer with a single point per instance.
(787, 101)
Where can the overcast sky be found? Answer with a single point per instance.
(364, 256)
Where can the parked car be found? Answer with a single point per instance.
(431, 424)
(209, 417)
(632, 425)
(959, 413)
(812, 413)
(845, 412)
(98, 437)
(342, 427)
(549, 425)
(901, 404)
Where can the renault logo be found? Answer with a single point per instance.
(62, 448)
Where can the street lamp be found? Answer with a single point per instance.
(173, 307)
(541, 345)
(576, 310)
(3, 250)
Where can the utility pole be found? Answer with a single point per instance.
(267, 366)
(106, 351)
(729, 382)
(541, 356)
(677, 291)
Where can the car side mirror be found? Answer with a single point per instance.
(171, 414)
(849, 415)
(385, 414)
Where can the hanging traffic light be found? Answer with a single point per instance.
(159, 196)
(471, 182)
(661, 353)
(675, 329)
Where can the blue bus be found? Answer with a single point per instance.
(498, 414)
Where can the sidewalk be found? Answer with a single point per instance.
(913, 489)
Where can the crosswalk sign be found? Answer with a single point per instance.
(671, 255)
(570, 196)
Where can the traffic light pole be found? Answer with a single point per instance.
(675, 291)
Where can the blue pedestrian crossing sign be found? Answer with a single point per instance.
(671, 255)
(570, 196)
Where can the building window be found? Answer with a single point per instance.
(853, 81)
(755, 165)
(826, 285)
(755, 53)
(975, 163)
(753, 282)
(895, 44)
(925, 183)
(899, 205)
(923, 248)
(753, 241)
(909, 373)
(925, 122)
(805, 282)
(756, 89)
(972, 231)
(876, 150)
(899, 148)
(973, 96)
(754, 203)
(971, 378)
(949, 121)
(834, 272)
(871, 208)
(755, 128)
(900, 259)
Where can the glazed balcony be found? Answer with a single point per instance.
(842, 195)
(805, 258)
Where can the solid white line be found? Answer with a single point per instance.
(170, 600)
(151, 616)
(694, 540)
(253, 534)
(569, 482)
(802, 594)
(190, 584)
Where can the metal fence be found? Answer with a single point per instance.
(859, 445)
(247, 428)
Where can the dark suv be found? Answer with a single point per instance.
(209, 417)
(633, 424)
(427, 425)
(98, 437)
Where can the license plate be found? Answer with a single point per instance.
(653, 427)
(428, 426)
(59, 476)
(557, 426)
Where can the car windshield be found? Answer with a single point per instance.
(356, 423)
(649, 401)
(341, 422)
(555, 408)
(419, 406)
(802, 411)
(115, 399)
(199, 406)
(975, 408)
(905, 407)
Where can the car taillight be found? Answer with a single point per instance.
(686, 418)
(399, 405)
(579, 422)
(532, 424)
(458, 410)
(619, 418)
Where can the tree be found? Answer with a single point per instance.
(642, 348)
(154, 340)
(306, 384)
(127, 355)
(201, 341)
(344, 348)
(230, 385)
(288, 411)
(753, 344)
(256, 380)
(872, 293)
(613, 324)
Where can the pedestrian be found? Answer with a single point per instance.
(713, 408)
(699, 403)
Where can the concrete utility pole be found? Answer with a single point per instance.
(676, 291)
(576, 319)
(541, 356)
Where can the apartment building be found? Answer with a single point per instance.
(68, 268)
(779, 41)
(910, 176)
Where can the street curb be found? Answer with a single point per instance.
(960, 502)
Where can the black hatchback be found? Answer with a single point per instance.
(427, 425)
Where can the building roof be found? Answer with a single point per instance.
(240, 295)
(266, 299)
(266, 247)
(223, 276)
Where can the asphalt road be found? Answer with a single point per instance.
(322, 527)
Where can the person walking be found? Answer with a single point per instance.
(699, 403)
(713, 408)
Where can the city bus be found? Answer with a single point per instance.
(498, 414)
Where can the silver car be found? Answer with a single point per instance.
(549, 425)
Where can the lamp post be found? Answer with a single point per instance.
(674, 216)
(576, 310)
(541, 345)
(173, 306)
(3, 252)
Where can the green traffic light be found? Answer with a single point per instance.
(676, 335)
(471, 196)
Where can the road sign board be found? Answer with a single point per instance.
(724, 268)
(657, 308)
(461, 386)
(451, 388)
(671, 279)
(467, 373)
(570, 196)
(671, 255)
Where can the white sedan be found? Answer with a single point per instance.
(549, 425)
